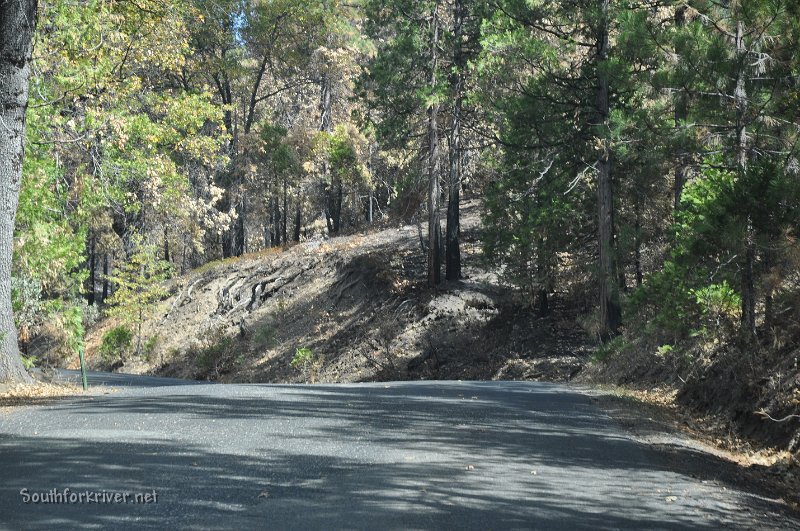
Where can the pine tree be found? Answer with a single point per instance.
(138, 284)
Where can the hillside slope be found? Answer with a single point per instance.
(361, 305)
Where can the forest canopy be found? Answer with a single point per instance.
(639, 158)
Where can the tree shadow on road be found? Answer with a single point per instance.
(400, 456)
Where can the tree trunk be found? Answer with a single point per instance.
(276, 241)
(298, 221)
(748, 323)
(434, 228)
(337, 212)
(285, 210)
(90, 295)
(105, 277)
(269, 236)
(609, 291)
(637, 256)
(325, 106)
(542, 278)
(17, 24)
(166, 244)
(224, 206)
(748, 284)
(356, 203)
(326, 126)
(453, 248)
(681, 113)
(769, 303)
(139, 332)
(371, 185)
(239, 236)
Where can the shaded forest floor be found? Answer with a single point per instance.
(360, 304)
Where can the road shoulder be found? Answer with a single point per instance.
(654, 420)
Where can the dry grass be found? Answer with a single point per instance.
(35, 394)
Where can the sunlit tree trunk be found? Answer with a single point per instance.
(17, 24)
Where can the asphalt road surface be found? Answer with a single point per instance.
(418, 455)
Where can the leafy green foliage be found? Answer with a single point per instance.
(609, 349)
(29, 362)
(150, 347)
(264, 337)
(718, 301)
(303, 357)
(307, 362)
(116, 344)
(138, 285)
(217, 354)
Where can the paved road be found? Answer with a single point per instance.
(117, 379)
(444, 455)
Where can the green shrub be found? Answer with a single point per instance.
(29, 362)
(150, 347)
(302, 357)
(665, 350)
(217, 353)
(610, 349)
(264, 337)
(307, 362)
(718, 301)
(116, 343)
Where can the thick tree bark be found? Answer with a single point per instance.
(610, 312)
(17, 24)
(434, 227)
(453, 248)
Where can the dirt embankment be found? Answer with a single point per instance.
(743, 401)
(357, 309)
